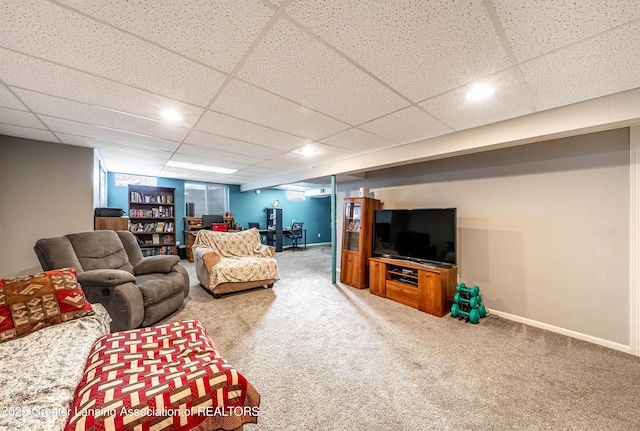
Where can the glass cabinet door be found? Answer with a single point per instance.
(352, 220)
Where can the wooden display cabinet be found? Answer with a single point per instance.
(357, 234)
(426, 288)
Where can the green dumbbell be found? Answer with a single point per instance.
(472, 316)
(455, 310)
(467, 291)
(475, 301)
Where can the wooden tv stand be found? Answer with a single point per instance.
(426, 288)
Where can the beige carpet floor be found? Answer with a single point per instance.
(330, 357)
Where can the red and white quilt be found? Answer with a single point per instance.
(166, 377)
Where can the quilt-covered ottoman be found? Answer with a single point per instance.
(166, 377)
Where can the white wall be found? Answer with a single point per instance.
(543, 229)
(46, 189)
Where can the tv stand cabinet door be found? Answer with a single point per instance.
(378, 278)
(430, 293)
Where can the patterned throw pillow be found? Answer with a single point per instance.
(33, 302)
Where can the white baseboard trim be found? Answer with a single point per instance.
(563, 331)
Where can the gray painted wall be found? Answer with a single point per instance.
(46, 189)
(543, 229)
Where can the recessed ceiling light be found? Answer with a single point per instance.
(171, 115)
(480, 92)
(197, 167)
(307, 150)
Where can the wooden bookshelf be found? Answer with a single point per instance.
(152, 219)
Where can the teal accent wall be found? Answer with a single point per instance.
(246, 207)
(314, 212)
(118, 197)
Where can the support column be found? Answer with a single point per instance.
(334, 245)
(634, 241)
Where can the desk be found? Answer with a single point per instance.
(189, 238)
(275, 237)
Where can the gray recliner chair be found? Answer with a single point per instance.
(135, 290)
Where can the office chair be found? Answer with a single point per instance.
(295, 234)
(252, 225)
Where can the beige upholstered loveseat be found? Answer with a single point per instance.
(232, 261)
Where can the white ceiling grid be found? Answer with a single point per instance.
(255, 81)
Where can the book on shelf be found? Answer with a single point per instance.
(155, 251)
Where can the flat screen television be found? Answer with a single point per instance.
(423, 235)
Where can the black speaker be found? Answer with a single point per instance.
(191, 209)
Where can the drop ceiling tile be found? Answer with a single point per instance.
(261, 170)
(82, 141)
(358, 141)
(230, 145)
(214, 157)
(325, 154)
(236, 179)
(57, 34)
(66, 83)
(250, 103)
(27, 133)
(116, 161)
(61, 108)
(420, 48)
(407, 125)
(126, 168)
(240, 177)
(246, 174)
(148, 160)
(106, 134)
(509, 100)
(20, 118)
(187, 174)
(217, 33)
(597, 67)
(288, 162)
(293, 64)
(536, 28)
(224, 125)
(8, 100)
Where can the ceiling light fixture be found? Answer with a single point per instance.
(196, 167)
(480, 92)
(171, 115)
(307, 150)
